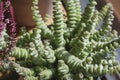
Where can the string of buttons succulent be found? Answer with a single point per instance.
(72, 49)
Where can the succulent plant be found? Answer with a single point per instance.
(72, 49)
(7, 21)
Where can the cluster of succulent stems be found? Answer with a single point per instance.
(73, 49)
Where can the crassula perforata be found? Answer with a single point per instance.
(72, 49)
